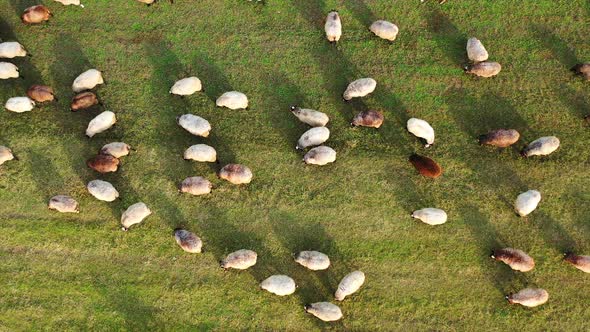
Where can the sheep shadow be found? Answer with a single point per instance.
(361, 12)
(44, 174)
(575, 101)
(560, 49)
(215, 82)
(19, 6)
(446, 35)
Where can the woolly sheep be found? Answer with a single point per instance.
(333, 27)
(11, 50)
(484, 69)
(186, 86)
(313, 260)
(135, 214)
(310, 117)
(64, 204)
(320, 155)
(349, 285)
(36, 14)
(239, 260)
(422, 129)
(87, 80)
(201, 152)
(475, 50)
(368, 118)
(196, 185)
(83, 100)
(8, 70)
(6, 154)
(102, 190)
(501, 138)
(41, 93)
(70, 2)
(517, 259)
(431, 216)
(582, 69)
(280, 285)
(188, 241)
(236, 174)
(384, 29)
(529, 297)
(19, 104)
(312, 137)
(150, 2)
(195, 125)
(541, 147)
(359, 88)
(581, 263)
(233, 100)
(115, 149)
(426, 166)
(100, 123)
(527, 202)
(325, 311)
(103, 163)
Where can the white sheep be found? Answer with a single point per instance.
(320, 155)
(196, 185)
(313, 260)
(325, 311)
(195, 125)
(476, 52)
(484, 69)
(186, 86)
(580, 262)
(422, 129)
(239, 260)
(517, 259)
(359, 88)
(233, 100)
(11, 50)
(70, 2)
(8, 70)
(529, 297)
(116, 149)
(100, 123)
(19, 104)
(280, 285)
(527, 202)
(312, 137)
(134, 214)
(541, 147)
(431, 216)
(310, 117)
(201, 152)
(87, 80)
(102, 190)
(5, 154)
(188, 241)
(384, 29)
(349, 285)
(64, 204)
(333, 27)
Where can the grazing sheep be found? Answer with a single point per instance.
(476, 52)
(235, 173)
(8, 70)
(64, 204)
(87, 80)
(501, 138)
(384, 29)
(484, 69)
(579, 262)
(103, 163)
(186, 86)
(102, 190)
(325, 311)
(333, 27)
(19, 104)
(36, 14)
(196, 185)
(100, 123)
(41, 93)
(280, 285)
(372, 119)
(426, 166)
(70, 2)
(11, 50)
(359, 88)
(517, 259)
(310, 117)
(313, 260)
(6, 154)
(431, 216)
(135, 214)
(422, 129)
(115, 149)
(233, 100)
(349, 285)
(150, 2)
(188, 241)
(582, 69)
(320, 155)
(195, 125)
(312, 137)
(541, 147)
(529, 297)
(527, 202)
(83, 100)
(239, 260)
(202, 153)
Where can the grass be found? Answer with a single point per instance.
(80, 272)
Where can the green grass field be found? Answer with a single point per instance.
(80, 272)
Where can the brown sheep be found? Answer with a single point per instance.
(369, 118)
(235, 173)
(579, 262)
(501, 138)
(41, 93)
(103, 163)
(426, 166)
(582, 69)
(484, 69)
(83, 100)
(36, 14)
(517, 259)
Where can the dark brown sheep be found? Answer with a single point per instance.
(501, 138)
(103, 163)
(369, 118)
(582, 263)
(517, 259)
(83, 100)
(426, 166)
(582, 69)
(36, 14)
(41, 93)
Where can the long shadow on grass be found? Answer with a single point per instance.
(560, 49)
(19, 6)
(215, 83)
(361, 12)
(445, 34)
(44, 174)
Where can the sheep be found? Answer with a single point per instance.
(582, 69)
(201, 152)
(431, 216)
(333, 27)
(312, 137)
(150, 2)
(188, 241)
(239, 260)
(11, 50)
(233, 100)
(186, 86)
(313, 260)
(501, 138)
(279, 284)
(349, 285)
(320, 155)
(8, 70)
(527, 202)
(384, 29)
(102, 190)
(359, 88)
(70, 2)
(422, 129)
(195, 125)
(579, 262)
(103, 163)
(41, 93)
(310, 117)
(6, 154)
(529, 297)
(476, 52)
(83, 100)
(36, 14)
(115, 149)
(134, 214)
(484, 69)
(325, 311)
(195, 185)
(426, 166)
(372, 119)
(100, 123)
(64, 204)
(19, 104)
(541, 147)
(517, 259)
(87, 80)
(235, 173)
